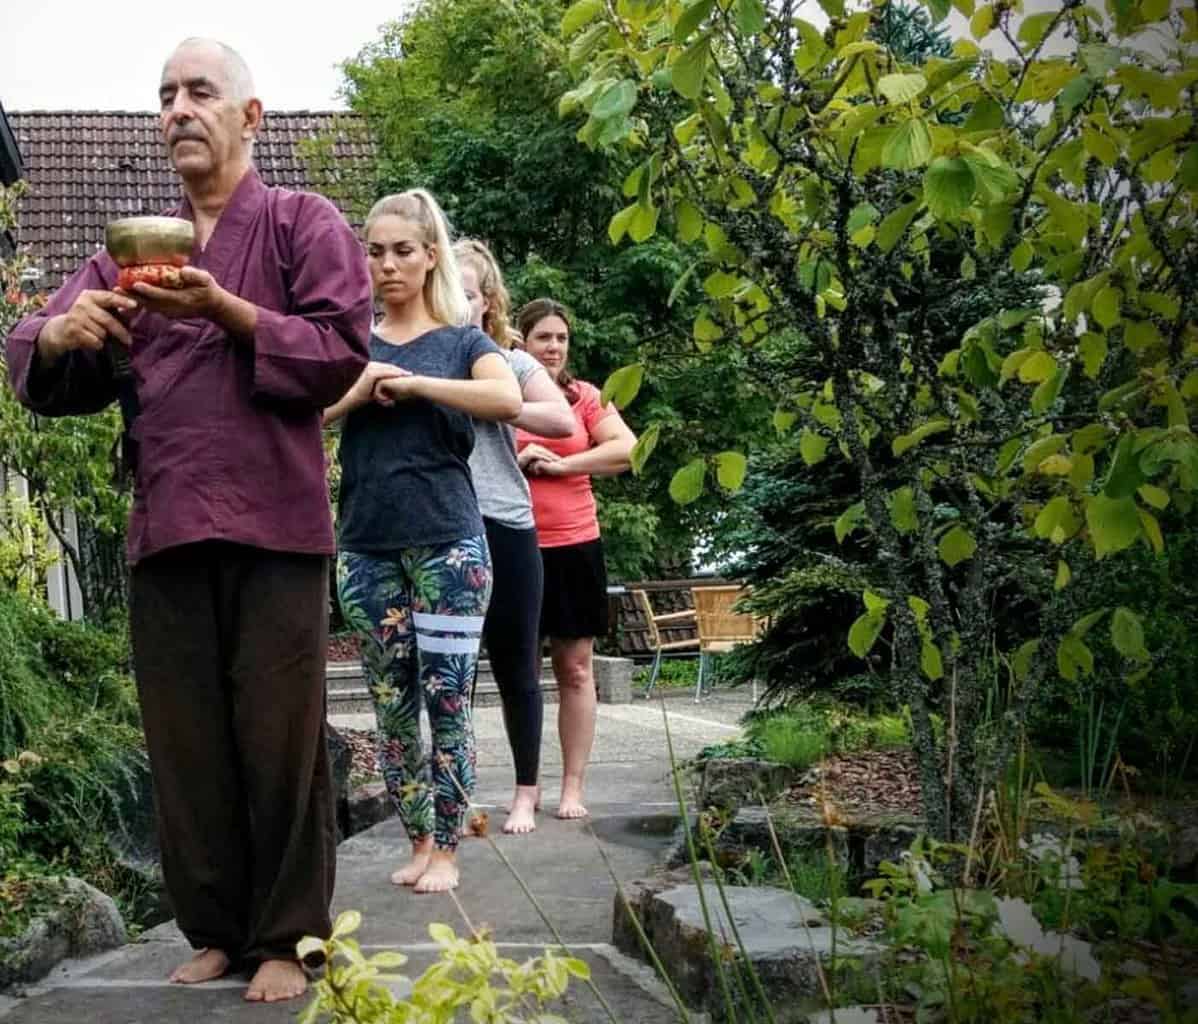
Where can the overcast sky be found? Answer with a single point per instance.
(104, 55)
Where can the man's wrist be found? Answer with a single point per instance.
(234, 314)
(48, 349)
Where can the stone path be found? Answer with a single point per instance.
(632, 815)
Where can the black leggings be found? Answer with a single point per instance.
(513, 645)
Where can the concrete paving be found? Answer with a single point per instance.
(633, 815)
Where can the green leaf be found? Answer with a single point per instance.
(982, 21)
(615, 101)
(902, 510)
(904, 442)
(1100, 146)
(864, 632)
(987, 115)
(687, 484)
(1047, 392)
(784, 419)
(690, 221)
(1087, 622)
(580, 13)
(1107, 307)
(833, 8)
(1125, 477)
(1100, 59)
(813, 447)
(1074, 94)
(895, 223)
(750, 16)
(1152, 531)
(908, 147)
(706, 330)
(1021, 660)
(1033, 28)
(948, 187)
(1187, 173)
(643, 223)
(901, 88)
(1063, 576)
(441, 934)
(1038, 366)
(719, 285)
(1074, 658)
(348, 922)
(622, 386)
(874, 602)
(939, 10)
(1114, 523)
(1127, 634)
(1022, 256)
(930, 661)
(620, 223)
(957, 545)
(730, 469)
(691, 18)
(848, 521)
(688, 71)
(1093, 349)
(1155, 496)
(645, 444)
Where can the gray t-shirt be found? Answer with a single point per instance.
(502, 489)
(405, 479)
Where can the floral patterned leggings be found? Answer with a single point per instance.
(419, 613)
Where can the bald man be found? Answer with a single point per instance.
(230, 530)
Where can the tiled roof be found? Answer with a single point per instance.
(85, 168)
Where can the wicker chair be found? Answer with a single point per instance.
(720, 628)
(653, 621)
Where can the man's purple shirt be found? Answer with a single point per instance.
(229, 433)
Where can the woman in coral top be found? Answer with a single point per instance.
(574, 608)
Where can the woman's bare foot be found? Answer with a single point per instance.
(206, 965)
(441, 875)
(522, 815)
(411, 873)
(510, 805)
(276, 980)
(570, 806)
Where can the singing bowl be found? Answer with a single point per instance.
(131, 241)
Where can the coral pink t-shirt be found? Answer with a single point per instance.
(564, 506)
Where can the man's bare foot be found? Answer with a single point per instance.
(275, 981)
(206, 965)
(411, 873)
(522, 814)
(442, 873)
(570, 806)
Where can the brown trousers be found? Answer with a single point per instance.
(229, 646)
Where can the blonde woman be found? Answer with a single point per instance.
(414, 573)
(511, 629)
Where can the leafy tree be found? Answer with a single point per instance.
(66, 462)
(999, 462)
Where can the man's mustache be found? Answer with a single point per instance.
(183, 135)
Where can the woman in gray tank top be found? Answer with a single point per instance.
(513, 616)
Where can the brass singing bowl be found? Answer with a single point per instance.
(131, 241)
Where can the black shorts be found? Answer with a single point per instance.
(575, 601)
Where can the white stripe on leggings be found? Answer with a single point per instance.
(448, 623)
(447, 644)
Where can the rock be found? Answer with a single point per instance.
(847, 1015)
(786, 939)
(880, 837)
(1185, 851)
(799, 830)
(613, 679)
(368, 805)
(83, 922)
(732, 782)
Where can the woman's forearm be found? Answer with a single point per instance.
(346, 404)
(608, 459)
(545, 419)
(482, 399)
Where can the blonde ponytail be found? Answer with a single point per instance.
(443, 292)
(474, 253)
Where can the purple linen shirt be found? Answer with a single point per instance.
(229, 432)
